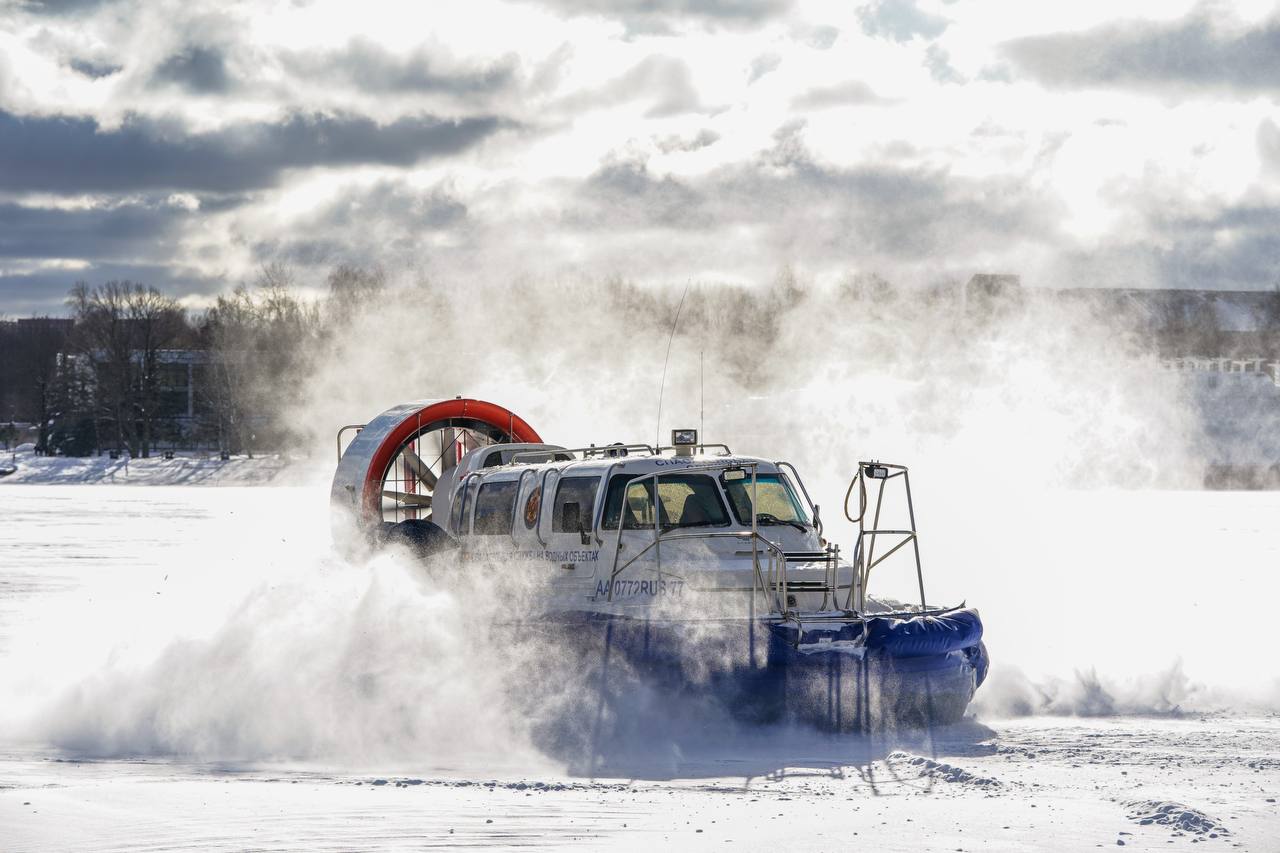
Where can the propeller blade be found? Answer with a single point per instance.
(419, 469)
(407, 498)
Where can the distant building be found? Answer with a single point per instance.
(183, 391)
(62, 325)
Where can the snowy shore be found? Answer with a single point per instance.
(185, 469)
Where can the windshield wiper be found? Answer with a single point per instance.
(770, 518)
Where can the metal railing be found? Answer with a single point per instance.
(813, 507)
(864, 559)
(723, 447)
(607, 451)
(771, 582)
(341, 430)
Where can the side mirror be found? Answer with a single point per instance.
(817, 518)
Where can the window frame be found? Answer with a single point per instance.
(802, 517)
(587, 514)
(652, 484)
(476, 503)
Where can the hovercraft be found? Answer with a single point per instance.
(699, 566)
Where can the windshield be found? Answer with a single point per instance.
(684, 500)
(776, 503)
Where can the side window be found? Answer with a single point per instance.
(495, 509)
(636, 510)
(574, 490)
(684, 500)
(690, 500)
(464, 500)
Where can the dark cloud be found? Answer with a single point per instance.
(1238, 246)
(1196, 52)
(899, 20)
(74, 155)
(398, 215)
(1235, 248)
(314, 252)
(626, 194)
(44, 291)
(96, 70)
(64, 7)
(410, 209)
(202, 70)
(823, 212)
(97, 233)
(370, 67)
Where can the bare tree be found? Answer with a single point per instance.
(261, 341)
(102, 337)
(121, 327)
(351, 288)
(157, 323)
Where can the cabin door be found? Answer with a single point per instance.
(629, 506)
(567, 530)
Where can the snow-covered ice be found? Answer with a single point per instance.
(22, 465)
(193, 668)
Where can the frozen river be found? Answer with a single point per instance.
(188, 667)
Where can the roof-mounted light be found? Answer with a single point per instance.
(684, 441)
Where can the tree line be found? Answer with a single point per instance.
(132, 371)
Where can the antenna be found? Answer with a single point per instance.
(657, 428)
(702, 398)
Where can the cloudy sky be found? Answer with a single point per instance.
(185, 143)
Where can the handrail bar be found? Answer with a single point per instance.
(671, 535)
(542, 504)
(341, 430)
(778, 557)
(865, 559)
(598, 450)
(594, 450)
(813, 507)
(462, 495)
(598, 522)
(657, 531)
(725, 447)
